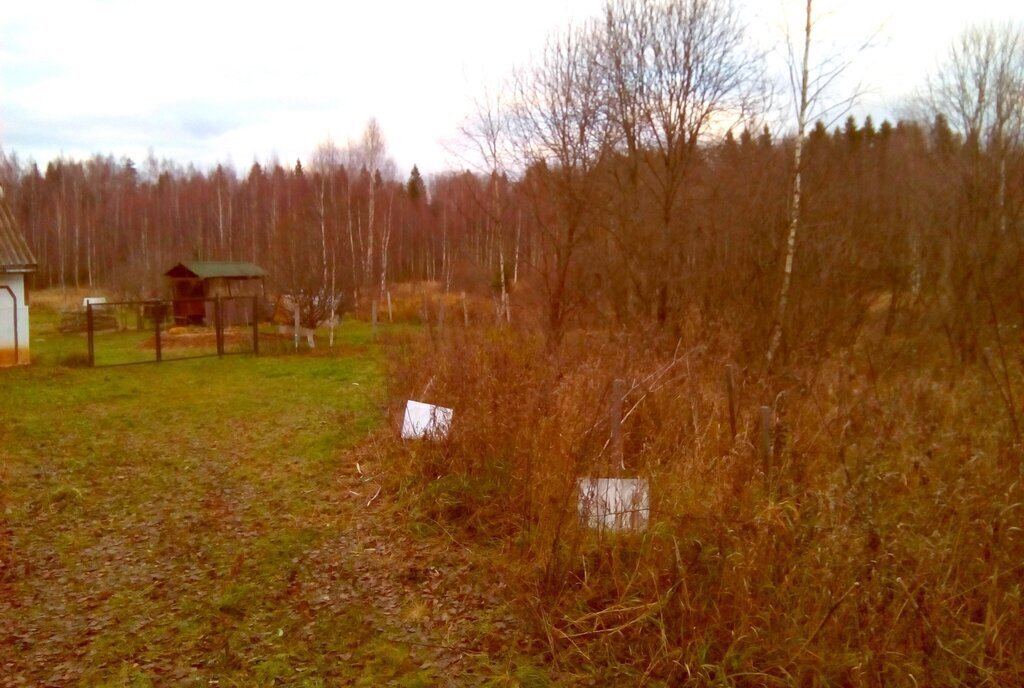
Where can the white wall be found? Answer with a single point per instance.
(17, 283)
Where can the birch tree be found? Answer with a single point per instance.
(370, 154)
(800, 84)
(326, 160)
(809, 85)
(486, 133)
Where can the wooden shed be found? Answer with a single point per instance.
(16, 262)
(194, 280)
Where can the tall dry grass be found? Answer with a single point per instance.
(427, 303)
(886, 547)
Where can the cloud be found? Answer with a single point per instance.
(205, 81)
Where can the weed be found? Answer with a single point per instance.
(883, 547)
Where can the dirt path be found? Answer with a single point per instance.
(399, 610)
(426, 600)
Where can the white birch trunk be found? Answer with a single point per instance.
(368, 267)
(323, 232)
(444, 246)
(351, 233)
(794, 208)
(515, 263)
(334, 293)
(385, 241)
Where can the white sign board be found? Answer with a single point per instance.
(615, 503)
(94, 300)
(426, 421)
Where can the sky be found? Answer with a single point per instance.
(218, 81)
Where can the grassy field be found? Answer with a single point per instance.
(255, 520)
(217, 522)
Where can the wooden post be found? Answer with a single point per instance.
(218, 324)
(391, 315)
(766, 445)
(88, 326)
(156, 320)
(255, 327)
(730, 385)
(618, 457)
(465, 310)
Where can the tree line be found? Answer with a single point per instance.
(625, 175)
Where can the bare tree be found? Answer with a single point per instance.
(487, 135)
(675, 74)
(326, 160)
(370, 154)
(559, 128)
(980, 91)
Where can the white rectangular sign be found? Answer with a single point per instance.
(615, 503)
(425, 421)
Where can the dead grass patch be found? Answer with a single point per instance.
(883, 548)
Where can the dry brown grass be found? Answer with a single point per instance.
(886, 548)
(428, 303)
(58, 300)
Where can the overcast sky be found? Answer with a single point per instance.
(215, 81)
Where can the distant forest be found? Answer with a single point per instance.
(614, 192)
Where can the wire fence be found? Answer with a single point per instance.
(154, 331)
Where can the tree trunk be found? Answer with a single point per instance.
(794, 208)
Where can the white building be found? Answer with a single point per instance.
(16, 261)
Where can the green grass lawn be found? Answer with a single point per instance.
(194, 521)
(157, 516)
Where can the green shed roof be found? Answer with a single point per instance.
(208, 269)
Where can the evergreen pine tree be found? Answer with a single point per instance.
(415, 186)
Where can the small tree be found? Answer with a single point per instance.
(559, 128)
(810, 85)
